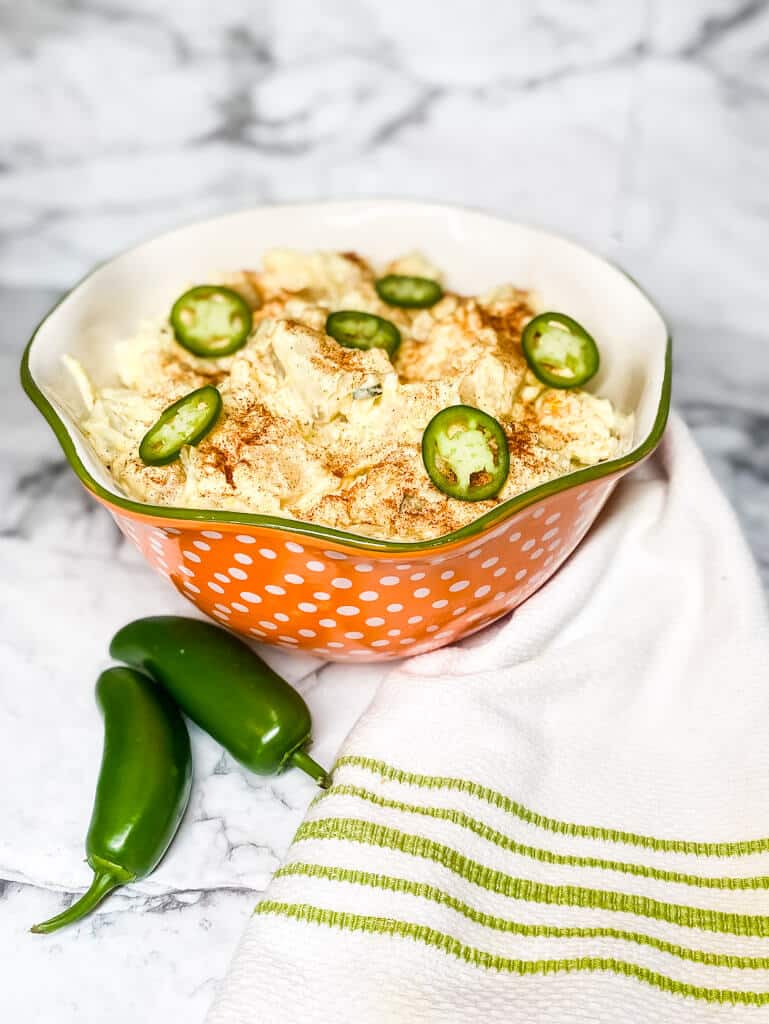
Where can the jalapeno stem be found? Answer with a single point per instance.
(101, 886)
(301, 759)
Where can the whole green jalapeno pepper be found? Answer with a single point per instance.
(224, 687)
(143, 788)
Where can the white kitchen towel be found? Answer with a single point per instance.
(565, 818)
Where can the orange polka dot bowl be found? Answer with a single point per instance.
(335, 594)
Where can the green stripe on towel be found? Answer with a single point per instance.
(485, 831)
(491, 961)
(371, 834)
(491, 796)
(389, 883)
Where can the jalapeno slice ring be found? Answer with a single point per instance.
(408, 292)
(465, 453)
(185, 422)
(559, 351)
(211, 321)
(354, 329)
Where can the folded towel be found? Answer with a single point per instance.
(565, 817)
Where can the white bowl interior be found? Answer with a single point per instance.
(477, 251)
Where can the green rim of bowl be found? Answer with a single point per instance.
(327, 533)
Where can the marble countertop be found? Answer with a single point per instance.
(637, 128)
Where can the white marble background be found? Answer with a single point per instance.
(640, 128)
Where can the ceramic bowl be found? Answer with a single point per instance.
(336, 594)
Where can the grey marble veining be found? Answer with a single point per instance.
(640, 128)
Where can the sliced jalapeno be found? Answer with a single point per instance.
(559, 351)
(185, 422)
(408, 292)
(211, 321)
(363, 330)
(465, 453)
